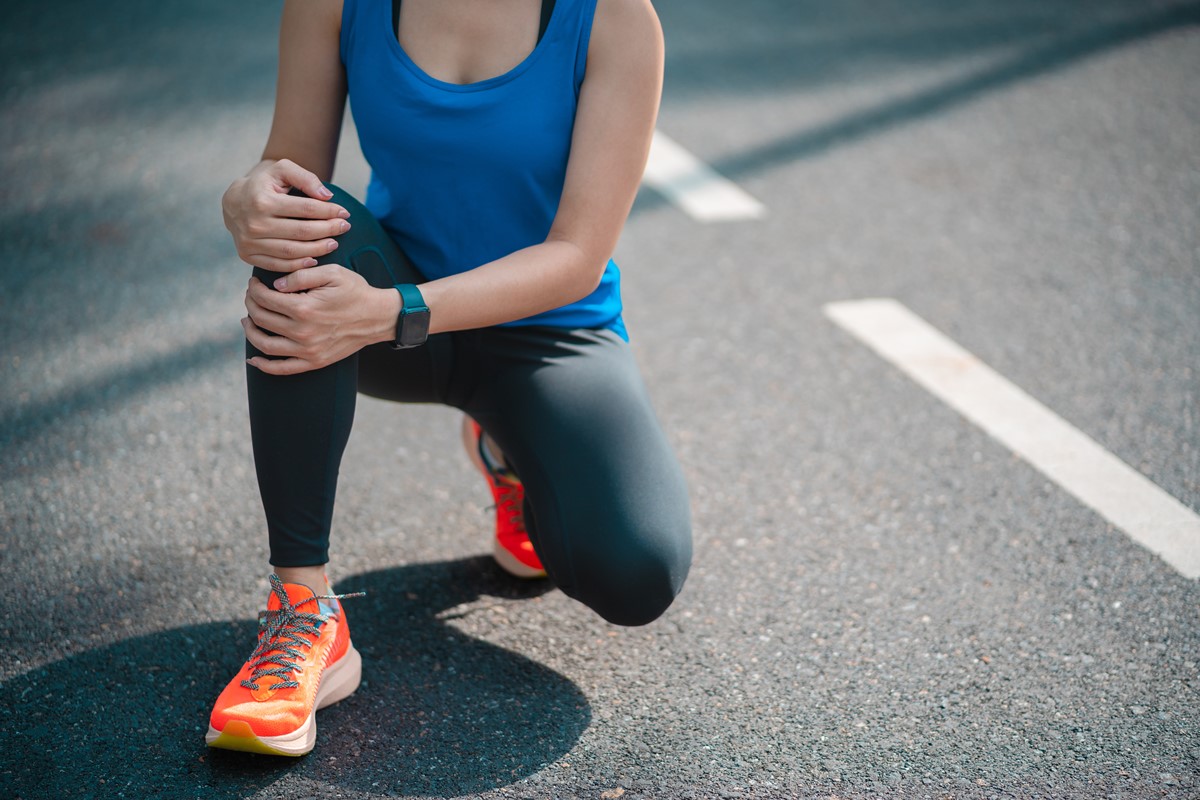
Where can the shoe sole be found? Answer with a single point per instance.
(514, 566)
(337, 683)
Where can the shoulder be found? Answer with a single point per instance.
(325, 13)
(624, 29)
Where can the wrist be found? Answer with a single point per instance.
(387, 310)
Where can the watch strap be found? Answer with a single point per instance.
(412, 325)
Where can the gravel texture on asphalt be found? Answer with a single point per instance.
(884, 601)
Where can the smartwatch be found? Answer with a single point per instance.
(412, 326)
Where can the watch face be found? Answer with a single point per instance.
(414, 328)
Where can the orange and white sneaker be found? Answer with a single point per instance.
(512, 549)
(304, 661)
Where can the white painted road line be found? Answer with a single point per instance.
(693, 186)
(1116, 491)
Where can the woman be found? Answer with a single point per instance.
(506, 140)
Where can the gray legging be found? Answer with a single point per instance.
(605, 501)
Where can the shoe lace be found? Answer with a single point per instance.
(281, 635)
(509, 492)
(510, 500)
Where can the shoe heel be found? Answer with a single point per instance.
(510, 564)
(341, 680)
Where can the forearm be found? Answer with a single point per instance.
(524, 283)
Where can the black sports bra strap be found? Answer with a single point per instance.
(547, 10)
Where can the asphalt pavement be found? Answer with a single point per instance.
(885, 601)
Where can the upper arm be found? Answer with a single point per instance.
(614, 123)
(310, 94)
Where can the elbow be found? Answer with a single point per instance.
(591, 273)
(587, 266)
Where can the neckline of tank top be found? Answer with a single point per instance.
(547, 8)
(475, 86)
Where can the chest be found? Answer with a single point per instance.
(467, 41)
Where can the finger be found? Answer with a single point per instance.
(272, 310)
(295, 175)
(280, 366)
(270, 321)
(299, 207)
(303, 280)
(276, 223)
(279, 264)
(266, 343)
(288, 248)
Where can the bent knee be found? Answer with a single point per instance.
(633, 586)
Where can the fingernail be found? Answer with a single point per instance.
(281, 283)
(326, 193)
(344, 214)
(344, 226)
(310, 262)
(333, 245)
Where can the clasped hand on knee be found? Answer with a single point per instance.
(315, 317)
(278, 231)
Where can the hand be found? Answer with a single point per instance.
(278, 231)
(319, 315)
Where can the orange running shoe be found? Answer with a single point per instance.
(512, 549)
(304, 661)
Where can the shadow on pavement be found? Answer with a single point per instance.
(1061, 52)
(23, 427)
(439, 713)
(790, 64)
(768, 47)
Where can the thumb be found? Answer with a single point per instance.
(308, 278)
(292, 174)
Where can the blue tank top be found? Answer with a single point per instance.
(465, 174)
